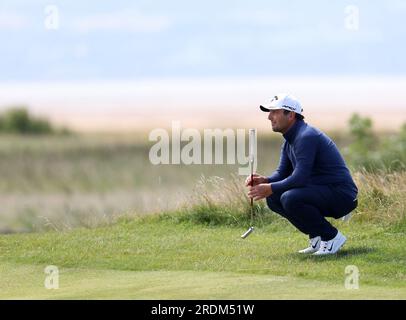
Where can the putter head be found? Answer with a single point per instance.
(247, 233)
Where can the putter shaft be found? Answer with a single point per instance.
(251, 158)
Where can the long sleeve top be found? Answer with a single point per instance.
(308, 156)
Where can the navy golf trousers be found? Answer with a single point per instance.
(307, 207)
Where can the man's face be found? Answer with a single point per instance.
(280, 121)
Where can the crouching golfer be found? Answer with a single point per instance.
(312, 180)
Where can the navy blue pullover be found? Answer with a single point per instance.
(308, 156)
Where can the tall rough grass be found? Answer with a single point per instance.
(382, 197)
(220, 201)
(63, 182)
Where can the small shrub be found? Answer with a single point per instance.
(367, 152)
(19, 121)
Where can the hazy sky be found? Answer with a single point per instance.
(123, 39)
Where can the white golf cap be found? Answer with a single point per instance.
(282, 101)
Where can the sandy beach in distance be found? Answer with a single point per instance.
(328, 102)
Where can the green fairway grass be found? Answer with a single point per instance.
(152, 258)
(116, 284)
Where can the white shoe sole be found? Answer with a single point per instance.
(311, 249)
(306, 251)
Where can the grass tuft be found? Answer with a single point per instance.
(381, 198)
(218, 201)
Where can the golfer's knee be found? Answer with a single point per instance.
(275, 205)
(270, 203)
(290, 200)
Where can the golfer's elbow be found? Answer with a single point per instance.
(300, 181)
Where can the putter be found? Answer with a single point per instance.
(252, 140)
